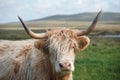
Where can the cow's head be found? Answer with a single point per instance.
(62, 44)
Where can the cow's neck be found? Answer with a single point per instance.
(42, 66)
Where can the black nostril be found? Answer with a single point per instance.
(61, 65)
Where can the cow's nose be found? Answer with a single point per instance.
(65, 65)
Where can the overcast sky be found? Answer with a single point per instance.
(33, 9)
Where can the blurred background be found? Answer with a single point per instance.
(101, 60)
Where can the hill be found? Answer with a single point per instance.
(109, 23)
(107, 16)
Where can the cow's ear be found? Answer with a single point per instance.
(83, 42)
(40, 44)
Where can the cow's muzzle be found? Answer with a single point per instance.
(65, 66)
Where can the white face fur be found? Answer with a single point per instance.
(61, 49)
(62, 46)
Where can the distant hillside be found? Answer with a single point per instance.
(107, 16)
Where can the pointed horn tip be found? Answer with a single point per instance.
(19, 17)
(101, 11)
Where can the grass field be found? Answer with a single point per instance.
(100, 61)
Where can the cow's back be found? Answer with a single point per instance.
(13, 48)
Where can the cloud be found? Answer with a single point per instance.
(32, 9)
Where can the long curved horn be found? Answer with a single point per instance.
(30, 33)
(92, 26)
